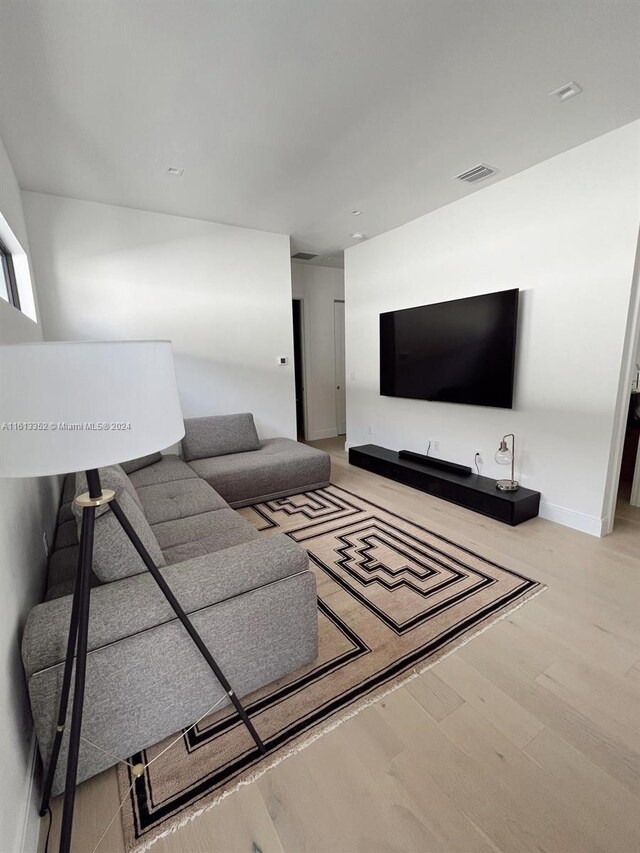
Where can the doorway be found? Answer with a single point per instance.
(298, 366)
(629, 484)
(341, 397)
(622, 494)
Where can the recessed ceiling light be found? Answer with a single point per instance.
(176, 171)
(328, 258)
(569, 90)
(355, 212)
(357, 236)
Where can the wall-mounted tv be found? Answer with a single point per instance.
(462, 351)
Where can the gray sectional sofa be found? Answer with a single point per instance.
(252, 598)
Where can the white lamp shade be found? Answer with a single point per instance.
(73, 406)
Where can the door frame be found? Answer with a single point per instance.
(304, 356)
(635, 488)
(627, 370)
(335, 367)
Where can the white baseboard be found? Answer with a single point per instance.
(607, 526)
(30, 818)
(316, 435)
(577, 520)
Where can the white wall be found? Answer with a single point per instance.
(565, 233)
(319, 287)
(28, 508)
(221, 294)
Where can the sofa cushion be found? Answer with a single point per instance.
(114, 556)
(126, 609)
(140, 462)
(178, 499)
(168, 469)
(67, 587)
(281, 466)
(62, 573)
(62, 565)
(68, 489)
(219, 435)
(66, 534)
(65, 513)
(201, 534)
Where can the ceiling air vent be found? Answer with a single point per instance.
(478, 173)
(303, 256)
(569, 90)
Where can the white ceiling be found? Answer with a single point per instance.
(286, 114)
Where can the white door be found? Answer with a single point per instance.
(341, 398)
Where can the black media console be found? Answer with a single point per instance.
(471, 491)
(434, 462)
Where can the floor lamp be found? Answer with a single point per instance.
(79, 406)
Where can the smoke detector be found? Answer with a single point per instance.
(303, 256)
(569, 90)
(479, 173)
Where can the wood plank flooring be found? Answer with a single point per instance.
(526, 740)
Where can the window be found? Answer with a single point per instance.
(8, 286)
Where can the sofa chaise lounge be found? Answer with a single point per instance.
(262, 471)
(252, 598)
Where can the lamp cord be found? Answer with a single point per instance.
(109, 825)
(106, 752)
(148, 764)
(46, 843)
(131, 766)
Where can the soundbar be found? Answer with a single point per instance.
(440, 464)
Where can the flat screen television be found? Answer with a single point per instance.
(462, 351)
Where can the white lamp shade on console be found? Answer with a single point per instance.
(74, 406)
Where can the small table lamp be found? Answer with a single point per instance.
(507, 456)
(79, 406)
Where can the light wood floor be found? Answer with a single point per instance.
(526, 739)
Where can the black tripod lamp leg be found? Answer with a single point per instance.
(64, 693)
(182, 616)
(86, 551)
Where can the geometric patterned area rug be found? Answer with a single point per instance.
(393, 599)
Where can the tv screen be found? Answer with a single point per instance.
(462, 351)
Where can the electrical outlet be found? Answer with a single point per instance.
(45, 542)
(369, 430)
(435, 445)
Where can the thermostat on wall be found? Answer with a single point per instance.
(282, 359)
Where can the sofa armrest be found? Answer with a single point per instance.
(135, 604)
